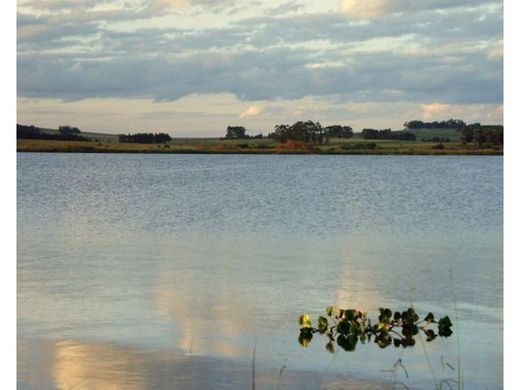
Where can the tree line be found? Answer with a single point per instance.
(483, 134)
(65, 133)
(145, 138)
(308, 131)
(239, 132)
(449, 124)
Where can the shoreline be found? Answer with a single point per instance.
(383, 149)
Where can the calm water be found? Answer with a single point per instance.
(160, 271)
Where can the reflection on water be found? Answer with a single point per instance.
(80, 366)
(145, 261)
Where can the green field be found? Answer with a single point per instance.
(109, 143)
(258, 146)
(420, 134)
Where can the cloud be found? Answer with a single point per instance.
(165, 5)
(453, 57)
(251, 111)
(161, 5)
(376, 8)
(365, 9)
(496, 51)
(471, 113)
(285, 8)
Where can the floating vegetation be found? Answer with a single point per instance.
(348, 327)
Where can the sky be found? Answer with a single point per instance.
(194, 67)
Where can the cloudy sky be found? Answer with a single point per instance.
(193, 67)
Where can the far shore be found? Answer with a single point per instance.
(354, 146)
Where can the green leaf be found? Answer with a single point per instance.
(343, 327)
(445, 321)
(410, 315)
(383, 327)
(410, 330)
(385, 315)
(348, 343)
(430, 335)
(383, 340)
(332, 311)
(305, 321)
(352, 314)
(305, 338)
(354, 328)
(444, 327)
(408, 342)
(429, 317)
(323, 324)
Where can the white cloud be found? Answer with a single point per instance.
(364, 9)
(251, 111)
(487, 113)
(160, 5)
(496, 52)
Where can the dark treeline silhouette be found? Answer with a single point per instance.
(65, 133)
(145, 138)
(338, 131)
(68, 130)
(387, 134)
(309, 131)
(449, 124)
(239, 132)
(483, 134)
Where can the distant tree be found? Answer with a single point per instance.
(68, 130)
(145, 138)
(449, 124)
(27, 132)
(309, 131)
(32, 132)
(483, 134)
(370, 134)
(281, 133)
(236, 132)
(467, 135)
(338, 131)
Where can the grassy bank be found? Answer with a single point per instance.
(352, 146)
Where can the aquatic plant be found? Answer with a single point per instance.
(348, 327)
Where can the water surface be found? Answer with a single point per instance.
(162, 270)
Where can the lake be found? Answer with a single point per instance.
(165, 271)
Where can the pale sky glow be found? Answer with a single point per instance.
(193, 67)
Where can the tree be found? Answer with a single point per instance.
(449, 124)
(68, 130)
(145, 138)
(338, 131)
(236, 132)
(309, 131)
(468, 133)
(27, 132)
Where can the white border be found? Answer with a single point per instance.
(8, 193)
(511, 192)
